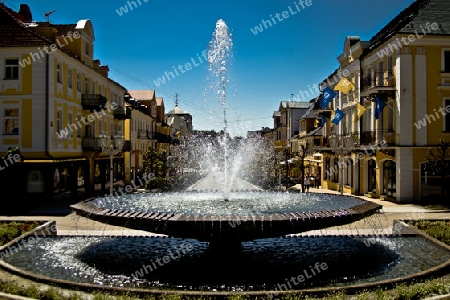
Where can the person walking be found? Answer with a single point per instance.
(317, 180)
(307, 182)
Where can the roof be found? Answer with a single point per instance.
(142, 94)
(414, 18)
(177, 111)
(294, 104)
(14, 32)
(159, 101)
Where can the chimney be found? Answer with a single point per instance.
(96, 63)
(104, 71)
(25, 12)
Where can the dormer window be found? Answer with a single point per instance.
(86, 48)
(58, 73)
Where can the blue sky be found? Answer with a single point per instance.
(141, 45)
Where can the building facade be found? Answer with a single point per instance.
(395, 110)
(56, 100)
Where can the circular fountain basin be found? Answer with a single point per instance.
(244, 217)
(266, 265)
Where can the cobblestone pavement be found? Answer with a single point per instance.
(68, 223)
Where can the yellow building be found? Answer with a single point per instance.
(141, 130)
(56, 100)
(401, 78)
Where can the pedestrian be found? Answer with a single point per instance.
(317, 180)
(307, 182)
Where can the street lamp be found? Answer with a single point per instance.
(341, 145)
(111, 147)
(287, 157)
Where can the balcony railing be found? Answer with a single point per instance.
(163, 138)
(377, 137)
(93, 101)
(378, 80)
(122, 113)
(94, 144)
(142, 134)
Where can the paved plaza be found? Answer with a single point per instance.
(68, 223)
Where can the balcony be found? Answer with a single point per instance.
(377, 137)
(376, 82)
(94, 144)
(122, 113)
(163, 138)
(91, 144)
(93, 101)
(142, 134)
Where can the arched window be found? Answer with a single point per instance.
(335, 177)
(371, 176)
(327, 168)
(389, 179)
(349, 172)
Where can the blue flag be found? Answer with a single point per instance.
(338, 115)
(379, 107)
(327, 96)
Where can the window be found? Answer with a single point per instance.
(349, 173)
(79, 82)
(390, 68)
(79, 128)
(447, 116)
(93, 87)
(86, 48)
(11, 125)
(447, 61)
(58, 73)
(69, 78)
(58, 121)
(372, 176)
(86, 86)
(70, 122)
(335, 173)
(11, 68)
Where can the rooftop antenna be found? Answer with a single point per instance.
(47, 15)
(176, 99)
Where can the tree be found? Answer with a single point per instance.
(438, 163)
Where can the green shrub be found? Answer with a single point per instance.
(438, 229)
(12, 230)
(159, 183)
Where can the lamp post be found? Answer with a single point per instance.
(341, 145)
(111, 147)
(287, 156)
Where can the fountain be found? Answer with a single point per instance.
(225, 222)
(260, 214)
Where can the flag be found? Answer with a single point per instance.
(344, 85)
(327, 95)
(380, 104)
(360, 110)
(338, 115)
